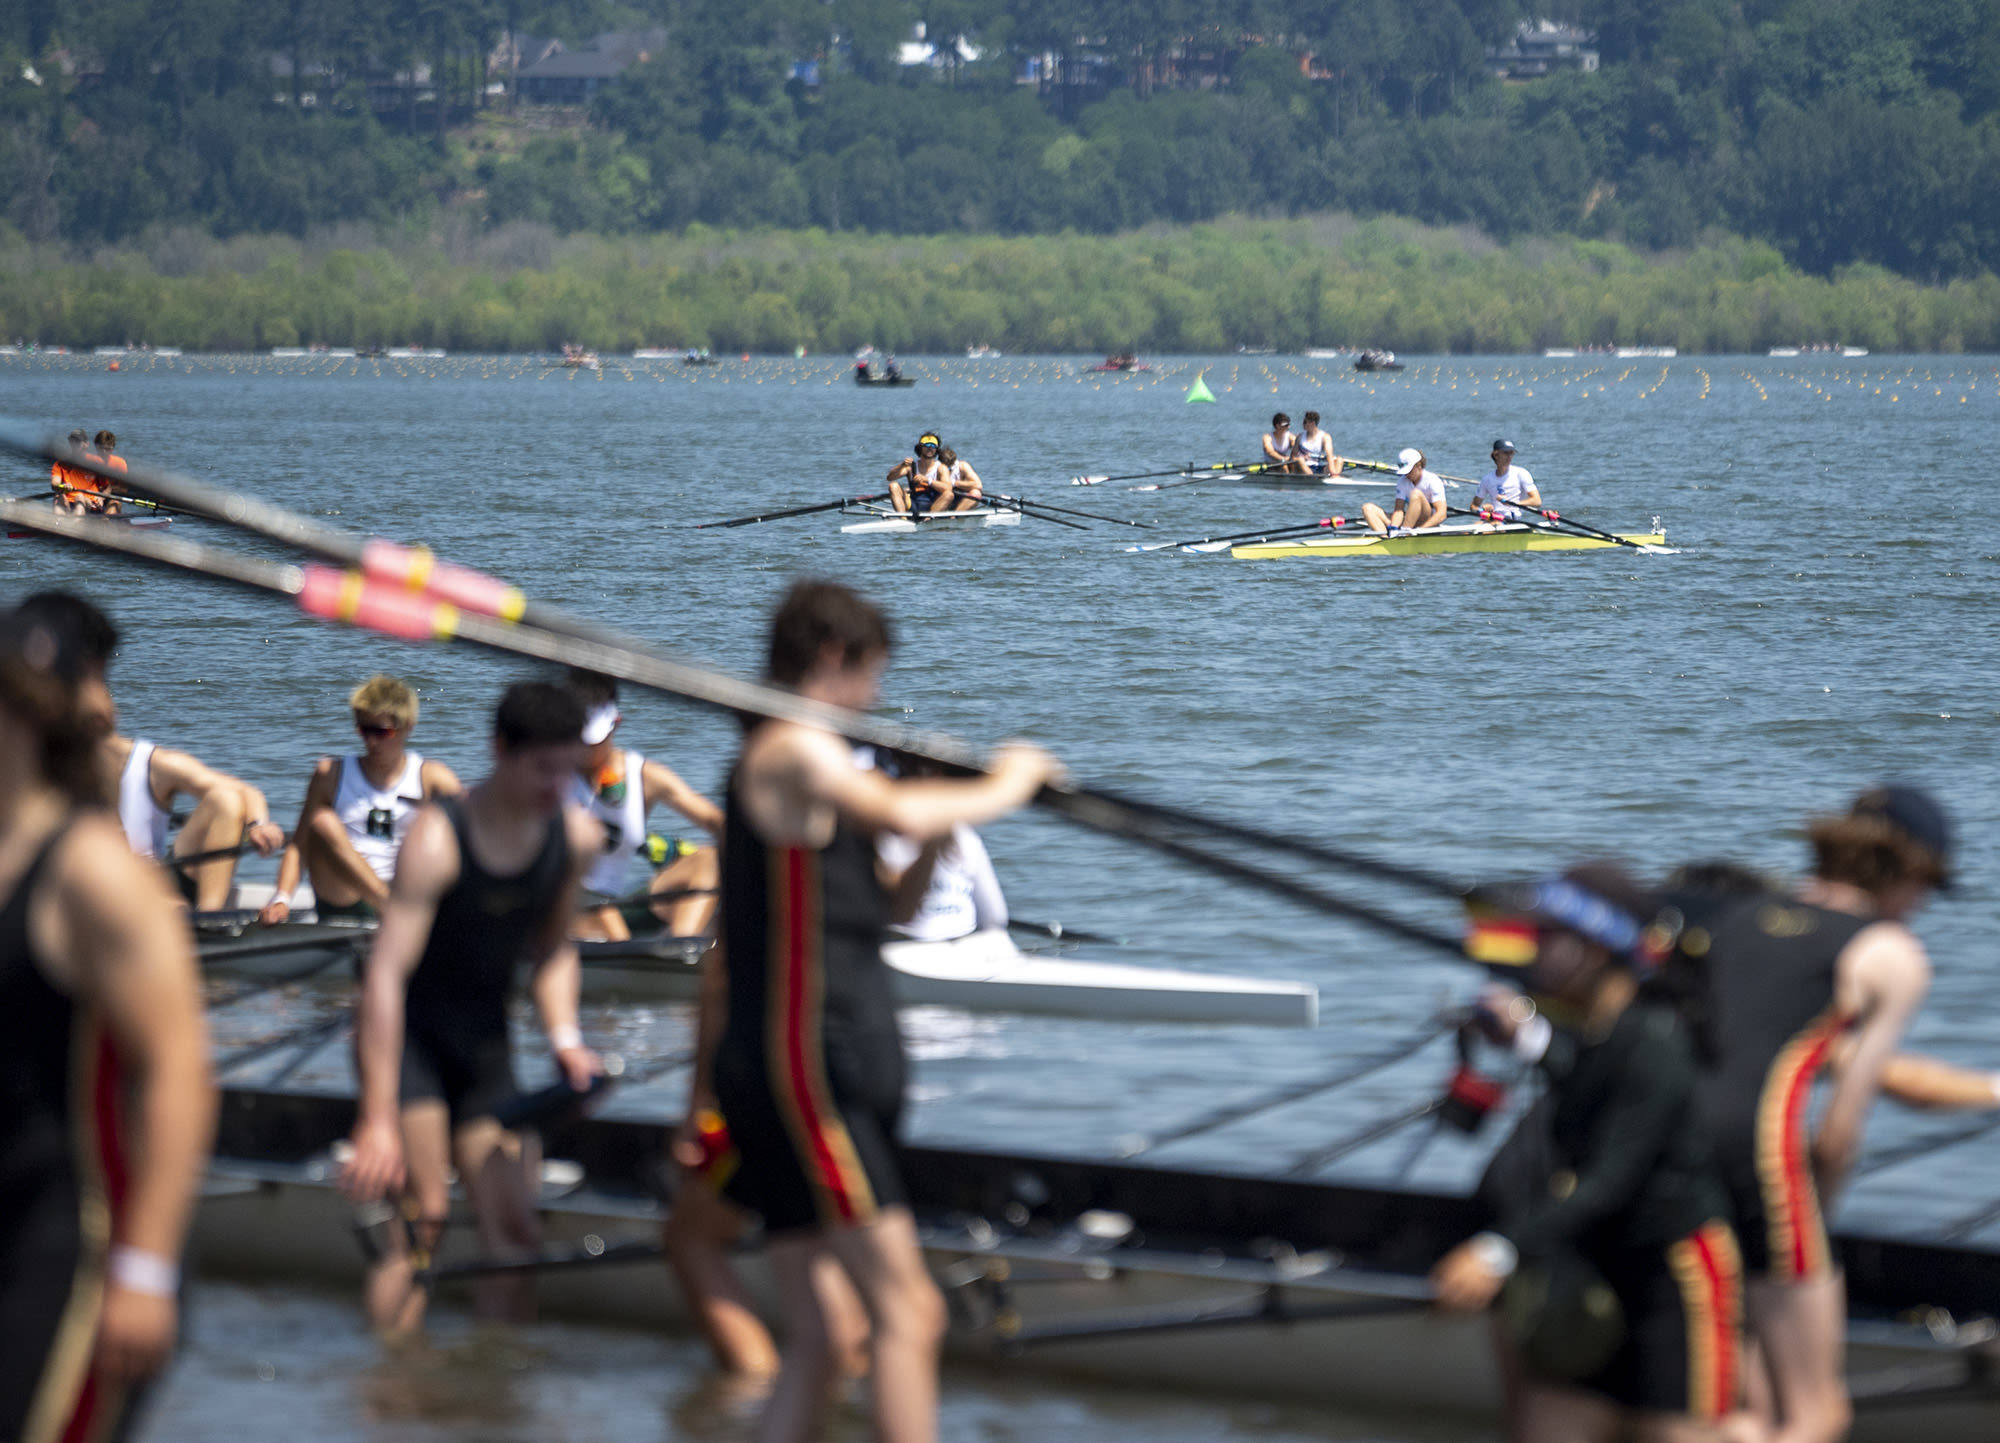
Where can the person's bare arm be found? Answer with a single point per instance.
(111, 917)
(1927, 1082)
(1881, 980)
(320, 792)
(426, 868)
(558, 969)
(906, 887)
(797, 779)
(176, 772)
(439, 780)
(665, 787)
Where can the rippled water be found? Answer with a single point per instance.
(1831, 620)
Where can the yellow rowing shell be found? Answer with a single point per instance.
(1444, 541)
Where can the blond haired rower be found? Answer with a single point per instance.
(358, 809)
(620, 788)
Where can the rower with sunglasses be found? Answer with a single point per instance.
(921, 483)
(357, 809)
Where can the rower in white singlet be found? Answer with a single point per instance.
(619, 788)
(1506, 486)
(1420, 502)
(962, 894)
(966, 489)
(228, 812)
(359, 807)
(1314, 447)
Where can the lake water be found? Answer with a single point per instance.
(1830, 620)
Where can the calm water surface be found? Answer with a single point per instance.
(1831, 619)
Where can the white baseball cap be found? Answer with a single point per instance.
(1407, 459)
(598, 723)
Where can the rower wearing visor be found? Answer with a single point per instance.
(358, 809)
(1506, 486)
(1420, 503)
(918, 483)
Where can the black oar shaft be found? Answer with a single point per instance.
(1070, 511)
(794, 511)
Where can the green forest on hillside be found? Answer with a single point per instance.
(1288, 284)
(1840, 132)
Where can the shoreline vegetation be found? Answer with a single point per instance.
(1328, 280)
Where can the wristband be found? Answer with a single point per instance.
(1498, 1256)
(562, 1039)
(1532, 1040)
(142, 1272)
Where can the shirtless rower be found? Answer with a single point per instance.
(1314, 448)
(812, 1092)
(359, 808)
(103, 1065)
(1281, 447)
(966, 489)
(1831, 976)
(485, 881)
(1506, 486)
(620, 789)
(916, 483)
(1420, 502)
(145, 778)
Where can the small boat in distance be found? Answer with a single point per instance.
(1377, 361)
(891, 373)
(577, 358)
(1122, 361)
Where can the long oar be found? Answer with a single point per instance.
(325, 592)
(1325, 522)
(68, 492)
(1068, 511)
(196, 859)
(795, 511)
(1149, 475)
(1561, 527)
(1006, 503)
(1061, 933)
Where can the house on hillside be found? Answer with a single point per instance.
(571, 75)
(919, 49)
(1541, 47)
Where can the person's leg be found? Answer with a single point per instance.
(1377, 519)
(1551, 1414)
(1417, 511)
(898, 497)
(216, 822)
(697, 1236)
(847, 1329)
(501, 1173)
(696, 872)
(906, 1311)
(807, 1372)
(338, 873)
(1801, 1329)
(599, 924)
(1679, 1428)
(395, 1303)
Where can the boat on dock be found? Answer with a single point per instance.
(985, 972)
(1440, 541)
(1164, 1278)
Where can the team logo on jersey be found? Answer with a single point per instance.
(1776, 921)
(382, 823)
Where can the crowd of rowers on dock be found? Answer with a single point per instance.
(1420, 503)
(1672, 1165)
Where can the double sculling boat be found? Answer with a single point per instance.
(1443, 541)
(1149, 1276)
(880, 520)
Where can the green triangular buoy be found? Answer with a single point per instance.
(1199, 392)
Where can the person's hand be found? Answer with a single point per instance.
(1027, 767)
(376, 1169)
(579, 1066)
(1464, 1282)
(1500, 1011)
(135, 1335)
(277, 910)
(266, 837)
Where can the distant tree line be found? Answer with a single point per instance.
(1283, 284)
(1840, 131)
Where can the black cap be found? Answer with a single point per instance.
(1503, 446)
(1917, 815)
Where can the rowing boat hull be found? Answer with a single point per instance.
(1203, 1242)
(1441, 541)
(981, 973)
(946, 521)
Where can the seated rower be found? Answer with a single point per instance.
(106, 446)
(1314, 449)
(1281, 446)
(620, 788)
(946, 888)
(77, 491)
(145, 778)
(892, 369)
(966, 492)
(1506, 486)
(359, 808)
(916, 482)
(1420, 503)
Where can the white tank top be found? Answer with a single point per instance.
(377, 820)
(144, 821)
(1313, 447)
(624, 823)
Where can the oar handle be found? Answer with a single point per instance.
(417, 570)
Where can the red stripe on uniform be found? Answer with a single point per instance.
(1720, 1279)
(1801, 1195)
(797, 962)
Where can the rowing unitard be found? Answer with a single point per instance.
(62, 1183)
(1771, 966)
(378, 818)
(810, 1068)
